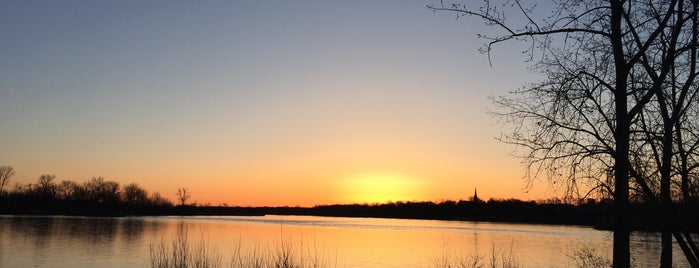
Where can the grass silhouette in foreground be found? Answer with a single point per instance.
(182, 252)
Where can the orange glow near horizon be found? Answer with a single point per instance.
(380, 187)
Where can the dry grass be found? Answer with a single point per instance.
(587, 257)
(496, 259)
(183, 253)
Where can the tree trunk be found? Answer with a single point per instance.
(621, 255)
(665, 198)
(665, 179)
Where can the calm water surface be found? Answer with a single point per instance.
(340, 242)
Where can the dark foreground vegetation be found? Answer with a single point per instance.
(100, 197)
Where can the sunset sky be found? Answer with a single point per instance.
(258, 102)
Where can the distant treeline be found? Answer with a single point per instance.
(96, 196)
(100, 197)
(592, 213)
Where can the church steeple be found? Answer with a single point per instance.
(475, 196)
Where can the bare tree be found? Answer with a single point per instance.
(674, 84)
(101, 191)
(671, 73)
(158, 200)
(134, 194)
(6, 173)
(46, 187)
(182, 195)
(69, 190)
(577, 125)
(687, 136)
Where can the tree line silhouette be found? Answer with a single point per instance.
(96, 196)
(101, 197)
(593, 213)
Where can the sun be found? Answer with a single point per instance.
(380, 187)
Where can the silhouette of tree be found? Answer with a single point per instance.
(6, 173)
(46, 188)
(604, 62)
(70, 190)
(182, 195)
(663, 122)
(101, 191)
(134, 194)
(687, 136)
(158, 200)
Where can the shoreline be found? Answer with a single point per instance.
(598, 215)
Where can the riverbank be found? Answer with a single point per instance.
(592, 214)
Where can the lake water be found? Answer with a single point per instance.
(338, 242)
